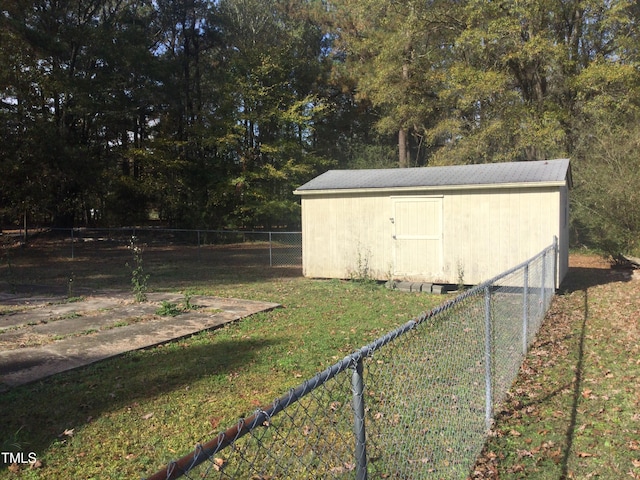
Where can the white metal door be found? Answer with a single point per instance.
(417, 237)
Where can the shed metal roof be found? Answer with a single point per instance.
(489, 174)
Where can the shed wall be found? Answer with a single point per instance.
(488, 232)
(344, 235)
(484, 232)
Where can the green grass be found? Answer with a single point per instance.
(571, 414)
(132, 414)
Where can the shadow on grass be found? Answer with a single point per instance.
(35, 415)
(577, 387)
(103, 265)
(583, 278)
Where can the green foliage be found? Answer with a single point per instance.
(210, 114)
(173, 309)
(361, 271)
(606, 197)
(391, 49)
(186, 302)
(139, 279)
(168, 309)
(14, 442)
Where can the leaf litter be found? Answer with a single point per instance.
(572, 412)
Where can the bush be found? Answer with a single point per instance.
(606, 196)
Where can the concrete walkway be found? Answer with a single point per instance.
(42, 336)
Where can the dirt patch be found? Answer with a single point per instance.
(578, 260)
(588, 270)
(49, 265)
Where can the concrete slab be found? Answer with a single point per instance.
(24, 365)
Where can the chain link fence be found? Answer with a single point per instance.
(268, 248)
(416, 403)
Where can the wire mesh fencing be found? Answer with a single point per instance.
(416, 403)
(262, 248)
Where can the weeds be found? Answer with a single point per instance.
(460, 276)
(173, 309)
(14, 442)
(168, 309)
(139, 279)
(362, 270)
(186, 302)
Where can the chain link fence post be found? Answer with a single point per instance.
(357, 385)
(427, 410)
(525, 311)
(487, 357)
(543, 281)
(555, 262)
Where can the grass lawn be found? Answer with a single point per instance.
(127, 417)
(574, 411)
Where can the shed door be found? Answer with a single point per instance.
(417, 237)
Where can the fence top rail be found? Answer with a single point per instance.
(506, 273)
(263, 415)
(162, 229)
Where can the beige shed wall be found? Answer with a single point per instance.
(485, 232)
(489, 231)
(342, 235)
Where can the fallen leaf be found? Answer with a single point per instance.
(147, 416)
(215, 421)
(585, 454)
(218, 463)
(67, 433)
(524, 453)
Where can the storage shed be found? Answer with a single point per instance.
(434, 224)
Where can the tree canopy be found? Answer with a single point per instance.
(208, 114)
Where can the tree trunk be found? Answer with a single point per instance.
(403, 150)
(403, 138)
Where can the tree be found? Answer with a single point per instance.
(514, 86)
(68, 89)
(605, 198)
(399, 52)
(274, 63)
